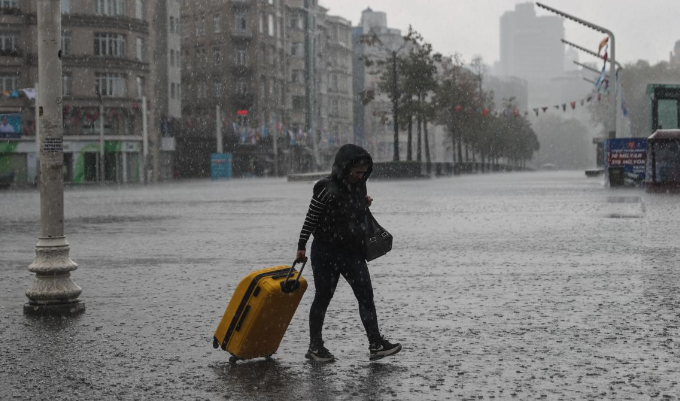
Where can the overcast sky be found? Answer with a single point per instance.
(644, 29)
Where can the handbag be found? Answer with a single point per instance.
(378, 241)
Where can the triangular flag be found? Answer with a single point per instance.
(602, 44)
(573, 105)
(516, 112)
(589, 99)
(544, 109)
(599, 97)
(557, 107)
(582, 102)
(30, 93)
(536, 111)
(564, 107)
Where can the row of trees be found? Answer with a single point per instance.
(433, 89)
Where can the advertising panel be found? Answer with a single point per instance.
(630, 156)
(220, 166)
(10, 126)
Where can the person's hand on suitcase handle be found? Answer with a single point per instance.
(300, 256)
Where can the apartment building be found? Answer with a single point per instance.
(112, 57)
(255, 70)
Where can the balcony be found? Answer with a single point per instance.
(7, 10)
(16, 52)
(239, 34)
(241, 71)
(242, 100)
(240, 3)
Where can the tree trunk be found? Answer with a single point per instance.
(409, 146)
(419, 151)
(428, 161)
(460, 148)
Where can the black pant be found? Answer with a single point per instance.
(328, 263)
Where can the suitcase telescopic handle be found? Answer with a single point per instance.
(289, 285)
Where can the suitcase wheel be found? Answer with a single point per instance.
(216, 344)
(232, 360)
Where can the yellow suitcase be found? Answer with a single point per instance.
(259, 312)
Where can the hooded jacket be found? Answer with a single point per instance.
(337, 211)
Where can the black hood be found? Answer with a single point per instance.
(347, 156)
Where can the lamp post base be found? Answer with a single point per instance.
(53, 292)
(65, 309)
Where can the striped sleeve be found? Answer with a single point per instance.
(317, 207)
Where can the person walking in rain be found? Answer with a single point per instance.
(336, 218)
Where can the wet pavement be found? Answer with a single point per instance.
(523, 285)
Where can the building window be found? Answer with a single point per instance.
(139, 49)
(279, 27)
(201, 56)
(270, 25)
(263, 86)
(109, 44)
(65, 6)
(67, 84)
(139, 9)
(9, 3)
(241, 56)
(261, 23)
(201, 90)
(112, 85)
(8, 44)
(217, 23)
(241, 86)
(8, 83)
(298, 102)
(186, 28)
(109, 7)
(172, 25)
(172, 58)
(66, 43)
(200, 25)
(271, 51)
(241, 22)
(296, 22)
(140, 87)
(296, 49)
(217, 56)
(218, 89)
(172, 90)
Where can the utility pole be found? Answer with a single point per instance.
(145, 142)
(101, 139)
(310, 25)
(395, 105)
(218, 129)
(53, 291)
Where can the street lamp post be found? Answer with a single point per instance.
(53, 291)
(395, 105)
(372, 37)
(612, 58)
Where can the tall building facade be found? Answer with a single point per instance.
(530, 45)
(675, 56)
(263, 75)
(109, 62)
(530, 48)
(334, 94)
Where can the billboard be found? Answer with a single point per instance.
(10, 126)
(629, 154)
